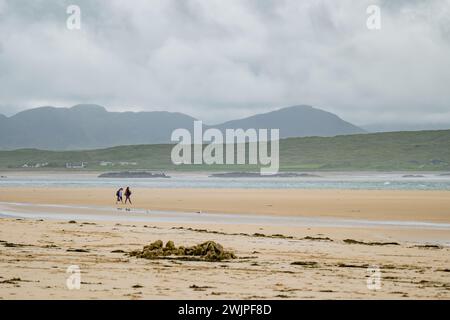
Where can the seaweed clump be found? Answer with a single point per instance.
(351, 241)
(206, 251)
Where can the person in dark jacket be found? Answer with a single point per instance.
(119, 196)
(128, 195)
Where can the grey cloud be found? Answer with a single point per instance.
(218, 60)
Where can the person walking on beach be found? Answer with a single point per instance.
(119, 196)
(127, 195)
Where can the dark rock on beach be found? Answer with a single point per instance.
(258, 175)
(133, 174)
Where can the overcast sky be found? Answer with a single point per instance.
(218, 60)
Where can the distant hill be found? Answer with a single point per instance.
(394, 151)
(297, 121)
(87, 127)
(92, 126)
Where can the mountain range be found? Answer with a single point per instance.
(90, 126)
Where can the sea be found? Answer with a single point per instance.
(327, 180)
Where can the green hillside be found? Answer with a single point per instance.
(421, 150)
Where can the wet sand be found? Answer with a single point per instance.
(431, 206)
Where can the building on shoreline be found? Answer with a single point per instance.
(76, 165)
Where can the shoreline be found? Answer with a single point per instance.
(377, 205)
(69, 212)
(63, 171)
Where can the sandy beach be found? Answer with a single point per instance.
(293, 260)
(432, 206)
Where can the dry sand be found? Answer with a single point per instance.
(35, 254)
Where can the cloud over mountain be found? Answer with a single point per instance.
(219, 59)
